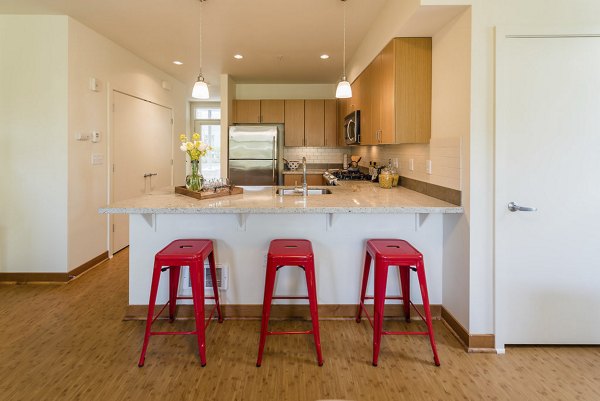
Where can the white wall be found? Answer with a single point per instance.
(285, 91)
(33, 145)
(486, 15)
(450, 120)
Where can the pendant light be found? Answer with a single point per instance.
(344, 90)
(200, 90)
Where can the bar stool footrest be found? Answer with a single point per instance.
(279, 333)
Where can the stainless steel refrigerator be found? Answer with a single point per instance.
(256, 154)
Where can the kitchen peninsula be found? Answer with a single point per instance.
(243, 225)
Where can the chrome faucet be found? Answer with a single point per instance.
(304, 185)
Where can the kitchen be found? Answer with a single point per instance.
(468, 285)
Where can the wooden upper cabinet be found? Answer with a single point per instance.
(394, 94)
(247, 111)
(330, 125)
(272, 111)
(343, 109)
(314, 122)
(294, 122)
(387, 115)
(413, 89)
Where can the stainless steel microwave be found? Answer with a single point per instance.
(352, 128)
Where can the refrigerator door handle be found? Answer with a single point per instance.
(274, 158)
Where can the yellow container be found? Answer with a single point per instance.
(395, 179)
(385, 180)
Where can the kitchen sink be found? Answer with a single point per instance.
(298, 191)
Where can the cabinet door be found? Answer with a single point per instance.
(314, 122)
(366, 116)
(272, 111)
(247, 111)
(375, 98)
(331, 123)
(387, 116)
(294, 123)
(413, 90)
(314, 179)
(292, 179)
(343, 106)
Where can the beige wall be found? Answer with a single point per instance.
(92, 55)
(33, 143)
(49, 190)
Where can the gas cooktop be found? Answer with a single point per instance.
(350, 175)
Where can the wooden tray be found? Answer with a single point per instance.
(208, 194)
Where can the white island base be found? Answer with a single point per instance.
(241, 241)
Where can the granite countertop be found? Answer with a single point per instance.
(349, 197)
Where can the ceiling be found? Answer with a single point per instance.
(281, 40)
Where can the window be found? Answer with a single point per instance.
(207, 122)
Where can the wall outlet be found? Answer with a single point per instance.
(95, 136)
(411, 164)
(428, 166)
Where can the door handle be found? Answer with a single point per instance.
(150, 174)
(513, 207)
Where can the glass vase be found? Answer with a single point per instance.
(194, 181)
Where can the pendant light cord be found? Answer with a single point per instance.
(200, 42)
(344, 60)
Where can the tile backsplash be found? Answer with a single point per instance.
(444, 154)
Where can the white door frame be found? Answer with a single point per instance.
(111, 140)
(502, 35)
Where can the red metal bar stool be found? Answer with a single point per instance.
(183, 252)
(290, 252)
(394, 252)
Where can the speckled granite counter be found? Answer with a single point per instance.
(349, 197)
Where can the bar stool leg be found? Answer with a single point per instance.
(151, 303)
(266, 312)
(405, 284)
(197, 280)
(314, 313)
(381, 272)
(173, 288)
(213, 274)
(425, 296)
(363, 290)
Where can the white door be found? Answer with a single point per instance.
(142, 153)
(547, 262)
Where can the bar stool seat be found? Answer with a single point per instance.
(183, 252)
(394, 252)
(290, 252)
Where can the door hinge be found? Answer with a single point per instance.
(113, 228)
(113, 168)
(172, 122)
(113, 107)
(171, 162)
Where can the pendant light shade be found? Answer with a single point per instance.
(200, 90)
(344, 90)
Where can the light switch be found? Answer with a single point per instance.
(97, 159)
(93, 85)
(80, 136)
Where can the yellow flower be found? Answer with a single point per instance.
(196, 136)
(182, 138)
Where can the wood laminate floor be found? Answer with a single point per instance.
(68, 342)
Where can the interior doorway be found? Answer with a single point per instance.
(142, 155)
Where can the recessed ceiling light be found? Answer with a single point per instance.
(238, 56)
(324, 56)
(177, 62)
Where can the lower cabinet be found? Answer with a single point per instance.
(296, 179)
